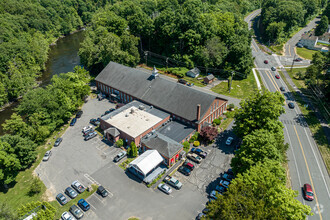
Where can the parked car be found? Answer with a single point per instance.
(94, 121)
(57, 142)
(112, 109)
(214, 194)
(273, 68)
(266, 61)
(308, 192)
(76, 212)
(71, 193)
(102, 191)
(86, 128)
(229, 140)
(291, 105)
(90, 136)
(101, 96)
(47, 156)
(300, 45)
(200, 216)
(86, 132)
(165, 188)
(61, 199)
(220, 189)
(298, 60)
(73, 122)
(190, 84)
(189, 165)
(78, 186)
(83, 204)
(227, 177)
(182, 81)
(120, 156)
(67, 216)
(185, 170)
(194, 157)
(199, 152)
(79, 114)
(277, 76)
(282, 88)
(224, 183)
(230, 171)
(173, 182)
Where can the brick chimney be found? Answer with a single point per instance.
(198, 112)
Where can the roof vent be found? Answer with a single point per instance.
(132, 110)
(151, 106)
(126, 115)
(141, 107)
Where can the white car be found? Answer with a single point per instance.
(229, 140)
(47, 156)
(165, 188)
(67, 216)
(87, 128)
(78, 186)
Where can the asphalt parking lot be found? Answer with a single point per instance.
(91, 162)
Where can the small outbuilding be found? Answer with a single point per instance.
(193, 72)
(209, 79)
(145, 163)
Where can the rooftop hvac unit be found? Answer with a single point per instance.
(126, 115)
(141, 107)
(132, 110)
(151, 106)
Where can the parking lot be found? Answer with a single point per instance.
(91, 162)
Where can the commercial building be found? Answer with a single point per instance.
(185, 104)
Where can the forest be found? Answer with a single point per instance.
(280, 18)
(211, 34)
(27, 28)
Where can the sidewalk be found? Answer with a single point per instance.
(168, 172)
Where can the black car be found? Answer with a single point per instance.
(79, 113)
(273, 68)
(73, 122)
(61, 199)
(102, 191)
(94, 121)
(112, 109)
(71, 193)
(185, 170)
(57, 142)
(90, 136)
(282, 88)
(182, 81)
(291, 105)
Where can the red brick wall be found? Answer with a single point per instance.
(215, 113)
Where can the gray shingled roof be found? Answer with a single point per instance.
(164, 145)
(167, 95)
(210, 77)
(113, 131)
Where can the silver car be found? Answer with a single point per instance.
(67, 216)
(47, 156)
(165, 188)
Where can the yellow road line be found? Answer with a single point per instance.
(309, 174)
(254, 46)
(289, 50)
(272, 80)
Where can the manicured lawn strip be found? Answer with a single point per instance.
(133, 218)
(305, 53)
(240, 88)
(314, 125)
(60, 209)
(261, 82)
(298, 82)
(124, 164)
(18, 195)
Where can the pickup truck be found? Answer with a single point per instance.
(173, 182)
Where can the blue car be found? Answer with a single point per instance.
(83, 204)
(73, 122)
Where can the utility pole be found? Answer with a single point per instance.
(146, 57)
(231, 80)
(166, 63)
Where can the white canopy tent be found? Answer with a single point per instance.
(147, 161)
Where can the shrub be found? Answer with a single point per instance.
(196, 143)
(216, 121)
(231, 106)
(35, 186)
(192, 139)
(186, 146)
(209, 133)
(120, 143)
(132, 151)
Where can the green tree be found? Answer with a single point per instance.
(9, 164)
(259, 193)
(6, 213)
(44, 210)
(257, 111)
(323, 26)
(120, 143)
(35, 187)
(132, 151)
(257, 147)
(16, 126)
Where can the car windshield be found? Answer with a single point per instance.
(77, 211)
(198, 157)
(309, 193)
(166, 187)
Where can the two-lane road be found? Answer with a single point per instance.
(305, 162)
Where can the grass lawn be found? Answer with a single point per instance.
(298, 82)
(19, 194)
(60, 209)
(124, 164)
(305, 53)
(278, 49)
(314, 125)
(240, 88)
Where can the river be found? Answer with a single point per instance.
(62, 58)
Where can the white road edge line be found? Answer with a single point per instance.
(256, 77)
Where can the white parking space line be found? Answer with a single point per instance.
(91, 179)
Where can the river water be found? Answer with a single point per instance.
(62, 58)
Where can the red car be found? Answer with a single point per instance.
(266, 61)
(277, 76)
(189, 165)
(308, 192)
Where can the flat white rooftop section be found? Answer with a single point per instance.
(133, 121)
